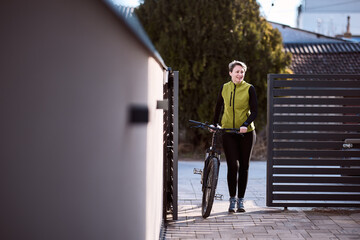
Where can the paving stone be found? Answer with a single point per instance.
(346, 223)
(303, 233)
(290, 236)
(264, 236)
(254, 230)
(348, 236)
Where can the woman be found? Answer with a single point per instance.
(238, 100)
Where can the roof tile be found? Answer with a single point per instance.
(325, 58)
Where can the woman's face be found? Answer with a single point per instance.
(237, 74)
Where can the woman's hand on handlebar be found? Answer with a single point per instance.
(211, 130)
(243, 130)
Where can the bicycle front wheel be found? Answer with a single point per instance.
(209, 186)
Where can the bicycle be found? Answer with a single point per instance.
(210, 172)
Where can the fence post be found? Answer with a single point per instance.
(269, 132)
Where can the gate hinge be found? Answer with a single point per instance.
(162, 104)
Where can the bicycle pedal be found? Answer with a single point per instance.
(219, 196)
(197, 171)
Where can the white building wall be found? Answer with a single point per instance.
(330, 24)
(327, 6)
(329, 17)
(72, 166)
(154, 164)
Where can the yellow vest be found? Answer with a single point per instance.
(236, 105)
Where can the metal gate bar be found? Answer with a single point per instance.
(170, 136)
(311, 119)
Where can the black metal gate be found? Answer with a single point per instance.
(313, 140)
(171, 92)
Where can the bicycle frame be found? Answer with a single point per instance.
(212, 151)
(210, 172)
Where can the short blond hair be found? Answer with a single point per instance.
(236, 62)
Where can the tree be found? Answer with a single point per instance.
(199, 38)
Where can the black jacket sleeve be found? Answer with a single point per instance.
(253, 106)
(218, 107)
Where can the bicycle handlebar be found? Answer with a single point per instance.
(206, 125)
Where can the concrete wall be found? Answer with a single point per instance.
(72, 167)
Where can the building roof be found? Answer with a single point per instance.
(324, 58)
(314, 53)
(297, 35)
(128, 17)
(315, 48)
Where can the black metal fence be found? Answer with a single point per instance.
(170, 195)
(313, 140)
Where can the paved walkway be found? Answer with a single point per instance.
(259, 221)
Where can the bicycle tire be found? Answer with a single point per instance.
(209, 186)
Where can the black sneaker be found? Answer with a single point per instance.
(240, 205)
(232, 204)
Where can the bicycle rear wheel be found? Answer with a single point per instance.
(209, 186)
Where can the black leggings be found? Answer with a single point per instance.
(238, 150)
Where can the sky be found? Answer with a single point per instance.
(280, 11)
